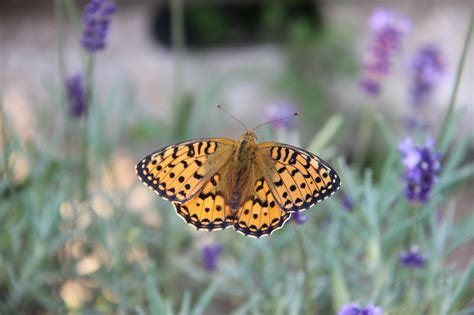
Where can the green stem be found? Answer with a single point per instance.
(177, 35)
(305, 259)
(4, 138)
(59, 17)
(73, 14)
(452, 100)
(87, 116)
(364, 136)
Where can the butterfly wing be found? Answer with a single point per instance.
(297, 178)
(259, 213)
(209, 209)
(180, 171)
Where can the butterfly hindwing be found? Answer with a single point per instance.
(178, 172)
(207, 210)
(297, 178)
(259, 213)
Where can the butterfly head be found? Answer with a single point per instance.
(249, 136)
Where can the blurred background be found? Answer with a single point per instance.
(111, 246)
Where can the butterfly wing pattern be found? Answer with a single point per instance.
(179, 172)
(186, 174)
(297, 178)
(197, 177)
(208, 210)
(260, 214)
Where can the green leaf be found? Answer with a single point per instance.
(249, 306)
(400, 228)
(205, 299)
(139, 310)
(457, 155)
(185, 304)
(457, 177)
(447, 138)
(327, 133)
(340, 293)
(464, 291)
(462, 232)
(156, 303)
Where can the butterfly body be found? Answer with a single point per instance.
(242, 168)
(254, 187)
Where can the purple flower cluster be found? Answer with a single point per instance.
(210, 256)
(427, 70)
(422, 166)
(388, 29)
(76, 94)
(354, 309)
(96, 20)
(412, 259)
(299, 217)
(278, 111)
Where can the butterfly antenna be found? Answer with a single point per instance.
(235, 118)
(273, 121)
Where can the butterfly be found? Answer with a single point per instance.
(216, 183)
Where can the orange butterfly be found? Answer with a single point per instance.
(216, 183)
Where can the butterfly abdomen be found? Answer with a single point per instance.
(234, 202)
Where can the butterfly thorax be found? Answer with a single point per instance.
(247, 146)
(243, 162)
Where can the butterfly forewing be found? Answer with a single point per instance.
(179, 172)
(297, 178)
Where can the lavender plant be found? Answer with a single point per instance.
(422, 166)
(116, 252)
(210, 256)
(76, 95)
(428, 68)
(96, 18)
(388, 30)
(354, 309)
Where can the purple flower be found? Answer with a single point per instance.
(427, 70)
(299, 217)
(210, 256)
(354, 309)
(76, 94)
(96, 20)
(278, 111)
(422, 166)
(388, 29)
(347, 203)
(412, 259)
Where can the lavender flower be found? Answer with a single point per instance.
(299, 217)
(422, 166)
(347, 203)
(76, 95)
(354, 309)
(412, 259)
(280, 110)
(210, 256)
(388, 29)
(96, 19)
(427, 70)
